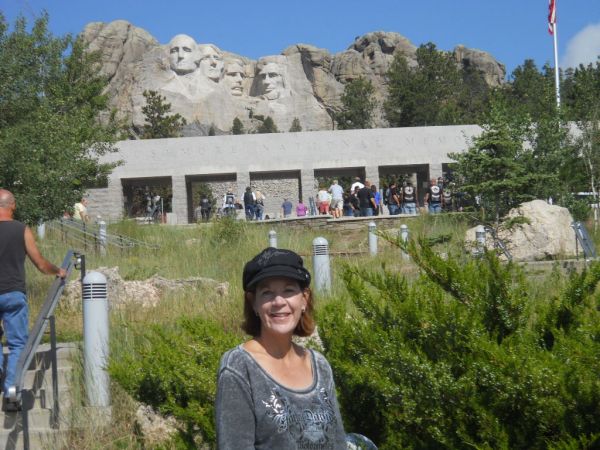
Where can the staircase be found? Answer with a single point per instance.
(48, 429)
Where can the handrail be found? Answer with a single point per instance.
(44, 318)
(84, 232)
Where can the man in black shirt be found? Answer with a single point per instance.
(16, 241)
(366, 200)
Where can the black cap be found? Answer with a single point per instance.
(274, 262)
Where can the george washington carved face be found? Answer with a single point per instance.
(183, 54)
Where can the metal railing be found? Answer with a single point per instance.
(14, 397)
(499, 243)
(89, 236)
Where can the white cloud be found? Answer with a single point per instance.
(583, 48)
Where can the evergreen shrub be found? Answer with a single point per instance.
(174, 369)
(463, 357)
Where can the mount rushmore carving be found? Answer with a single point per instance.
(210, 87)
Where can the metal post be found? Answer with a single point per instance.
(55, 393)
(95, 339)
(41, 230)
(321, 267)
(273, 238)
(480, 238)
(404, 236)
(102, 236)
(372, 239)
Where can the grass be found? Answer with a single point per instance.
(219, 251)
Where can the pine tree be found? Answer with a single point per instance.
(212, 131)
(268, 126)
(358, 105)
(160, 123)
(238, 127)
(296, 127)
(427, 94)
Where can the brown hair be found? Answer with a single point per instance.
(251, 323)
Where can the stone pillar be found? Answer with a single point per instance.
(243, 181)
(179, 203)
(307, 184)
(435, 170)
(372, 174)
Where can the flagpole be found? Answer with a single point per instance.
(556, 73)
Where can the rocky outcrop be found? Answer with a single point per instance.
(210, 87)
(493, 72)
(547, 233)
(145, 293)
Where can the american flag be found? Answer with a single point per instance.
(551, 15)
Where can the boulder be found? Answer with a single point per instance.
(493, 72)
(548, 235)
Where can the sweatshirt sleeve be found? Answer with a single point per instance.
(234, 413)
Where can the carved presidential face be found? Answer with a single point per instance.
(273, 84)
(183, 54)
(234, 77)
(211, 63)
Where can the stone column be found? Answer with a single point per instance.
(372, 174)
(307, 184)
(116, 204)
(179, 203)
(435, 170)
(243, 181)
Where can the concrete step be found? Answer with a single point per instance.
(42, 379)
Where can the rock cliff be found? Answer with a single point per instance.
(211, 87)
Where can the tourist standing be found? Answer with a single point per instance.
(410, 201)
(286, 207)
(259, 207)
(393, 200)
(16, 241)
(377, 196)
(270, 380)
(433, 197)
(356, 184)
(249, 202)
(323, 201)
(366, 200)
(301, 209)
(80, 213)
(337, 199)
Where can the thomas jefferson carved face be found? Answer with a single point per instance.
(273, 84)
(211, 63)
(234, 77)
(183, 54)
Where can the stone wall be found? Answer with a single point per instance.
(276, 187)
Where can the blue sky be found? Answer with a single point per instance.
(511, 30)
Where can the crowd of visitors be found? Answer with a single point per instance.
(359, 200)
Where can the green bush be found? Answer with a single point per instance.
(461, 357)
(174, 370)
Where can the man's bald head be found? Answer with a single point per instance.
(7, 199)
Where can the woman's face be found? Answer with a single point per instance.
(279, 303)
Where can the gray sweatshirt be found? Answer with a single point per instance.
(253, 411)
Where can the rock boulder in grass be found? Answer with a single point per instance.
(547, 235)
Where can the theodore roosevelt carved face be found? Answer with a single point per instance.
(234, 77)
(183, 54)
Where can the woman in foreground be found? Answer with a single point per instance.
(273, 393)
